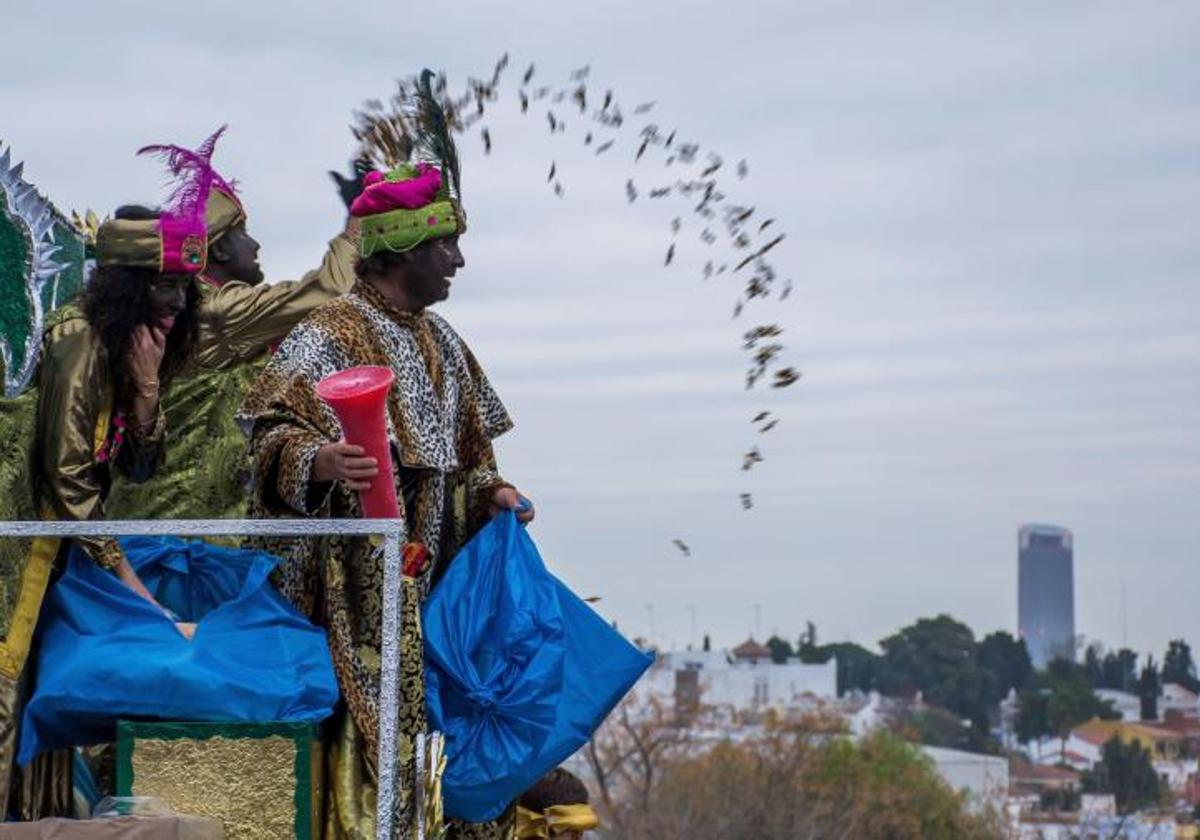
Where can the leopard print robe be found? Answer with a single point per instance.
(442, 416)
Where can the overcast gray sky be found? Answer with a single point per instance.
(992, 213)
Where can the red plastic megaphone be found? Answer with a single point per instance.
(359, 398)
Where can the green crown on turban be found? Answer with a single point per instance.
(402, 228)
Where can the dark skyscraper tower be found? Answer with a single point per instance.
(1046, 593)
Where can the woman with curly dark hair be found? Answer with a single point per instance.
(121, 301)
(104, 363)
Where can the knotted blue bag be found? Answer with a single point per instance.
(106, 653)
(519, 671)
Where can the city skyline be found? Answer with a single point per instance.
(991, 236)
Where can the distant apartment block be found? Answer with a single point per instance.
(742, 679)
(1046, 592)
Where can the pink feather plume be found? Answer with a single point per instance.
(194, 174)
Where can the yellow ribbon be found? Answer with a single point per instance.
(14, 649)
(555, 820)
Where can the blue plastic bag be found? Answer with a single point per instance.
(106, 653)
(519, 671)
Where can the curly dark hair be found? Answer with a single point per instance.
(117, 299)
(377, 264)
(558, 787)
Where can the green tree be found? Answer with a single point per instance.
(1032, 721)
(940, 728)
(1178, 666)
(1071, 700)
(1004, 661)
(1061, 699)
(790, 784)
(807, 648)
(1093, 664)
(856, 666)
(935, 656)
(1120, 670)
(781, 650)
(1149, 685)
(1126, 771)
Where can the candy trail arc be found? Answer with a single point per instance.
(389, 131)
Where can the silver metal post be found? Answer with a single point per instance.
(422, 755)
(389, 685)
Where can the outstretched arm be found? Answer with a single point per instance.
(239, 322)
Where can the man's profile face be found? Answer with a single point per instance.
(430, 268)
(237, 252)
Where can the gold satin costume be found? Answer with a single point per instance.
(237, 325)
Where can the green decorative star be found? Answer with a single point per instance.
(41, 268)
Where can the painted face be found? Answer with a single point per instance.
(432, 266)
(237, 253)
(168, 297)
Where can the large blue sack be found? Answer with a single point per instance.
(106, 653)
(519, 671)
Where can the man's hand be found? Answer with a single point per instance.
(345, 462)
(187, 629)
(145, 355)
(507, 498)
(350, 188)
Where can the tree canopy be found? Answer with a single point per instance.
(1178, 666)
(1148, 687)
(1126, 771)
(1115, 669)
(935, 656)
(1060, 699)
(781, 650)
(789, 784)
(1005, 663)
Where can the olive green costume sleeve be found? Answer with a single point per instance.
(239, 321)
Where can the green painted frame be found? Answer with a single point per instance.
(303, 735)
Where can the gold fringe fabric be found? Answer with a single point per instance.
(45, 787)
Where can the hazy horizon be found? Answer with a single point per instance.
(992, 220)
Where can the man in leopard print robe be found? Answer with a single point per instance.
(442, 416)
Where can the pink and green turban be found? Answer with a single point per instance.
(405, 207)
